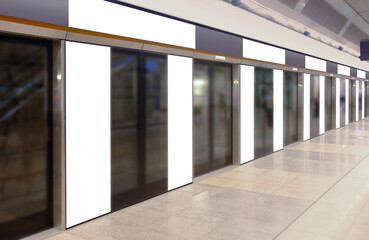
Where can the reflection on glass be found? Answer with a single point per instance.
(360, 100)
(352, 97)
(25, 180)
(314, 106)
(211, 116)
(366, 99)
(263, 112)
(342, 102)
(138, 126)
(290, 108)
(328, 104)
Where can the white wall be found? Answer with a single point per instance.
(363, 99)
(87, 132)
(347, 99)
(277, 110)
(321, 104)
(107, 17)
(357, 100)
(338, 93)
(247, 113)
(179, 121)
(306, 134)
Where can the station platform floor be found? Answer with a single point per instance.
(313, 190)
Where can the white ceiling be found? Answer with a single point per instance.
(338, 23)
(361, 7)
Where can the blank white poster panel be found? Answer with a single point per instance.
(357, 100)
(361, 74)
(278, 109)
(179, 121)
(338, 92)
(322, 105)
(315, 64)
(247, 113)
(343, 70)
(263, 52)
(111, 18)
(363, 100)
(306, 106)
(347, 85)
(87, 132)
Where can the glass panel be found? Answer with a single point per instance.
(25, 176)
(343, 102)
(138, 126)
(328, 104)
(314, 106)
(352, 96)
(156, 125)
(366, 99)
(360, 99)
(211, 116)
(290, 127)
(263, 112)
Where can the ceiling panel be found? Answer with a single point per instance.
(359, 5)
(365, 15)
(334, 21)
(291, 3)
(355, 34)
(317, 10)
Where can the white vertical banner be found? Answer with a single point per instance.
(338, 92)
(179, 121)
(88, 173)
(306, 106)
(357, 100)
(322, 105)
(277, 110)
(363, 100)
(247, 113)
(347, 99)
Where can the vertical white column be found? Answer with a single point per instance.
(87, 132)
(347, 85)
(363, 100)
(322, 105)
(306, 106)
(179, 121)
(277, 110)
(338, 92)
(247, 113)
(357, 101)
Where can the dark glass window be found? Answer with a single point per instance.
(352, 102)
(290, 128)
(25, 142)
(366, 99)
(139, 126)
(360, 99)
(343, 102)
(263, 112)
(328, 104)
(314, 106)
(212, 92)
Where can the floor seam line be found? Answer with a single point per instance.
(320, 197)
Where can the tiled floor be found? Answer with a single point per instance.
(314, 190)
